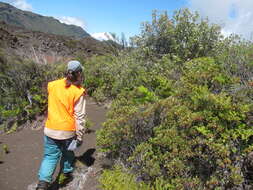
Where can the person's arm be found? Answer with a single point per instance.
(80, 116)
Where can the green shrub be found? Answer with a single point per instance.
(185, 35)
(197, 138)
(107, 76)
(23, 92)
(120, 179)
(117, 179)
(179, 118)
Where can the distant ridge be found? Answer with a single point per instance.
(36, 22)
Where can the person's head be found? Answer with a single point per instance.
(74, 73)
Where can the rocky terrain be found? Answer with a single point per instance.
(46, 48)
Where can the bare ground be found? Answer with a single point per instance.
(18, 168)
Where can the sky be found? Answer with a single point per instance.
(117, 16)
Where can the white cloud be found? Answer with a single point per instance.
(21, 4)
(235, 16)
(72, 20)
(103, 36)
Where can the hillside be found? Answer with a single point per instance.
(36, 22)
(46, 48)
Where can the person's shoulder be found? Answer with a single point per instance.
(56, 82)
(62, 80)
(78, 89)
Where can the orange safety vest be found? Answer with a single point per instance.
(61, 102)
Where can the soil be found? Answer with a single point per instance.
(18, 168)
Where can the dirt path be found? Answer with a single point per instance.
(19, 168)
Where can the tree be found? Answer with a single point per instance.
(185, 35)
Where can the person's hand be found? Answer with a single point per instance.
(79, 143)
(87, 131)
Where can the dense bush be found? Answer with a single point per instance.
(23, 90)
(179, 117)
(196, 138)
(185, 35)
(107, 76)
(118, 179)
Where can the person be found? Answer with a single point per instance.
(65, 122)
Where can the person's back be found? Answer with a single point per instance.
(65, 123)
(61, 102)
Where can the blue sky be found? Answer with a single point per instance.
(106, 15)
(126, 16)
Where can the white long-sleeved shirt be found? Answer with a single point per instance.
(80, 116)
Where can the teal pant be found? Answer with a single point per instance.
(55, 150)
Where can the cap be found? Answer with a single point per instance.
(74, 66)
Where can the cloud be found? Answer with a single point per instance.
(72, 20)
(235, 16)
(21, 4)
(103, 36)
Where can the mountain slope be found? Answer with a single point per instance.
(46, 48)
(36, 22)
